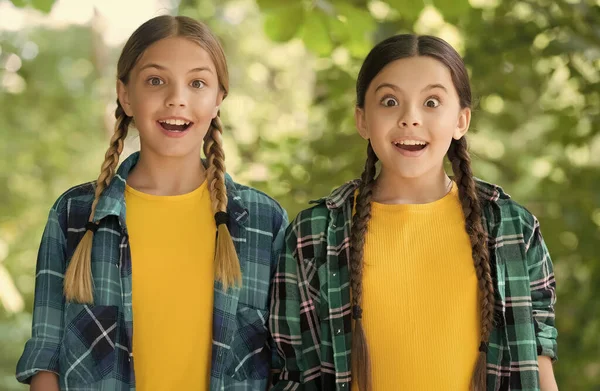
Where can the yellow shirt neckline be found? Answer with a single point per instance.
(180, 197)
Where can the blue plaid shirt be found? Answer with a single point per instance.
(90, 346)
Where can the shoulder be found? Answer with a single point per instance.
(312, 220)
(76, 200)
(263, 209)
(509, 216)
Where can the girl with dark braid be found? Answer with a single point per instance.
(156, 275)
(411, 279)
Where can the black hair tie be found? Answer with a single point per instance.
(356, 312)
(221, 218)
(483, 347)
(89, 226)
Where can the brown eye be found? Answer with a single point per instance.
(389, 102)
(432, 103)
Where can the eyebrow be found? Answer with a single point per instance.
(162, 68)
(396, 88)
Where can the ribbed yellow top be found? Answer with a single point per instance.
(420, 307)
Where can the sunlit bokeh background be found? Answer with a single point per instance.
(534, 66)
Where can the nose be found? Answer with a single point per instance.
(410, 117)
(176, 97)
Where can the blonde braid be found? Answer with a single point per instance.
(227, 265)
(78, 285)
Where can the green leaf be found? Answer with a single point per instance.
(266, 5)
(452, 9)
(43, 5)
(281, 24)
(408, 9)
(315, 34)
(20, 3)
(357, 18)
(354, 27)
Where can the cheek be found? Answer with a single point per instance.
(144, 103)
(441, 125)
(381, 122)
(204, 105)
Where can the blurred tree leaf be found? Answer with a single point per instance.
(20, 3)
(452, 9)
(282, 23)
(408, 9)
(266, 5)
(357, 26)
(43, 5)
(315, 34)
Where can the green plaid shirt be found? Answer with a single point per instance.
(89, 346)
(311, 315)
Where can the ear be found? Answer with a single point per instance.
(462, 126)
(220, 98)
(361, 122)
(123, 95)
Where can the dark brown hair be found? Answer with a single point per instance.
(78, 277)
(389, 50)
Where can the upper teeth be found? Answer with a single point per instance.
(411, 142)
(175, 122)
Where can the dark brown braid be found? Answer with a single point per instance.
(361, 362)
(461, 165)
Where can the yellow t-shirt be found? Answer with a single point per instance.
(420, 306)
(172, 242)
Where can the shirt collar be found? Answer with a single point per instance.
(486, 191)
(112, 199)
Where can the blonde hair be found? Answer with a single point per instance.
(78, 285)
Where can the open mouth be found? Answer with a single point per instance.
(411, 145)
(175, 125)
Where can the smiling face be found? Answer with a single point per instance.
(172, 93)
(411, 113)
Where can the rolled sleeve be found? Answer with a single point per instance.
(41, 352)
(543, 293)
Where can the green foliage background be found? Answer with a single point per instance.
(534, 67)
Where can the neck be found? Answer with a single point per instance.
(391, 188)
(166, 176)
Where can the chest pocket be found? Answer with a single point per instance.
(87, 354)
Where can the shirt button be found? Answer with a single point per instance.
(334, 274)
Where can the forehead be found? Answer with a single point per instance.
(176, 53)
(414, 73)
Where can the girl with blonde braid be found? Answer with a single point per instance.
(156, 276)
(409, 279)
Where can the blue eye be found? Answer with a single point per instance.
(155, 81)
(432, 103)
(389, 102)
(197, 84)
